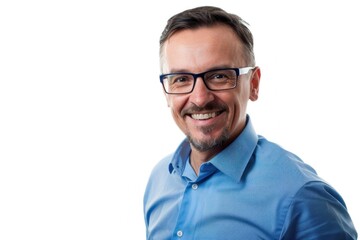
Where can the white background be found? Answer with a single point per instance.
(83, 119)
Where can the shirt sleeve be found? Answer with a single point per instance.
(318, 212)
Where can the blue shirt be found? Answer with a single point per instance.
(253, 189)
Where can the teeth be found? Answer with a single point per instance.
(203, 116)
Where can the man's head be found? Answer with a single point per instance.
(201, 40)
(209, 16)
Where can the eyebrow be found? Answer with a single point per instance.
(182, 70)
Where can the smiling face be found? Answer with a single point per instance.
(210, 119)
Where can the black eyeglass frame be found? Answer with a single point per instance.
(238, 71)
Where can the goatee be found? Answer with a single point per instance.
(207, 145)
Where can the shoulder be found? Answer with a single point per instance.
(318, 211)
(313, 209)
(162, 166)
(157, 175)
(284, 163)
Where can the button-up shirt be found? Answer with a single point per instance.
(253, 189)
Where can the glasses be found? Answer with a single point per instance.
(214, 80)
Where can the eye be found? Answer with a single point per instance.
(179, 79)
(219, 76)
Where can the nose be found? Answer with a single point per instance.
(201, 95)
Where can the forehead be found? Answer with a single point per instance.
(202, 49)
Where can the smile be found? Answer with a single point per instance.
(204, 116)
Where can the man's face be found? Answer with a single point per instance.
(210, 119)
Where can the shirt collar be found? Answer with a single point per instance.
(178, 161)
(232, 161)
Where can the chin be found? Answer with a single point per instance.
(207, 144)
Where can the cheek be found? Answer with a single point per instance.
(170, 101)
(175, 103)
(240, 100)
(167, 100)
(176, 107)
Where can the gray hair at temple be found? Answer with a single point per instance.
(207, 16)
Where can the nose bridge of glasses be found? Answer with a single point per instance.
(201, 94)
(202, 77)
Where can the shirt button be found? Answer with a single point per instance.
(194, 186)
(179, 233)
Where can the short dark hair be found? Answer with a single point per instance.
(207, 16)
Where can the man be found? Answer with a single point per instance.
(224, 181)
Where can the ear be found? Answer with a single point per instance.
(254, 84)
